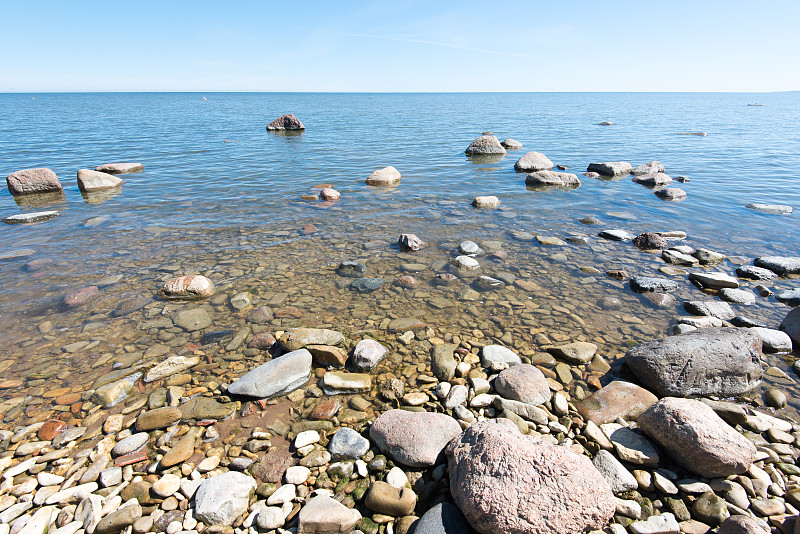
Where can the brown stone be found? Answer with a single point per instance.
(271, 467)
(181, 452)
(262, 341)
(51, 429)
(618, 399)
(288, 312)
(128, 459)
(325, 410)
(308, 229)
(69, 398)
(327, 355)
(55, 393)
(80, 297)
(158, 418)
(29, 181)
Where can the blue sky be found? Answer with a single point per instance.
(400, 45)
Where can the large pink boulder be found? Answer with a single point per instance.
(697, 438)
(504, 481)
(414, 439)
(29, 181)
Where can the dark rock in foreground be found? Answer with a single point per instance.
(725, 362)
(286, 122)
(32, 181)
(504, 481)
(697, 438)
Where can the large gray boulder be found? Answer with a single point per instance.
(222, 498)
(533, 162)
(276, 377)
(485, 145)
(414, 439)
(504, 481)
(725, 362)
(32, 181)
(89, 180)
(697, 438)
(791, 325)
(552, 179)
(610, 168)
(286, 122)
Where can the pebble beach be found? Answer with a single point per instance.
(435, 364)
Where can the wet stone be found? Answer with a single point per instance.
(351, 269)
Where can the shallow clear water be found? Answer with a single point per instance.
(221, 196)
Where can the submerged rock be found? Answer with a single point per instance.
(532, 162)
(286, 122)
(697, 438)
(772, 209)
(187, 287)
(486, 202)
(672, 194)
(647, 284)
(33, 181)
(725, 362)
(485, 144)
(504, 481)
(297, 338)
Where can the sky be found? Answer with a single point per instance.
(399, 46)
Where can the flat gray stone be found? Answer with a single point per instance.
(222, 498)
(648, 284)
(276, 377)
(498, 354)
(772, 209)
(130, 444)
(610, 168)
(616, 235)
(27, 218)
(620, 479)
(711, 280)
(781, 265)
(711, 308)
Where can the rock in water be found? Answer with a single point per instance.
(297, 338)
(504, 481)
(646, 284)
(276, 377)
(672, 194)
(222, 498)
(511, 144)
(187, 287)
(286, 122)
(485, 144)
(650, 241)
(532, 162)
(781, 265)
(367, 354)
(414, 439)
(89, 180)
(648, 168)
(31, 181)
(697, 438)
(725, 362)
(27, 218)
(772, 209)
(410, 243)
(552, 179)
(610, 168)
(657, 179)
(486, 202)
(120, 168)
(791, 325)
(386, 176)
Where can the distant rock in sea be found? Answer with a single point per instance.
(286, 122)
(483, 145)
(120, 168)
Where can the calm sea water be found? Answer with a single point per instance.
(216, 182)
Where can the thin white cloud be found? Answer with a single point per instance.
(435, 43)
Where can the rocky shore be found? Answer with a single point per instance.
(215, 402)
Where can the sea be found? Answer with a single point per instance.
(222, 196)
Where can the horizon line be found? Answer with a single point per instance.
(384, 92)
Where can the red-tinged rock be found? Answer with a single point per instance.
(326, 410)
(329, 193)
(51, 429)
(80, 297)
(406, 281)
(262, 341)
(29, 181)
(128, 459)
(288, 312)
(308, 229)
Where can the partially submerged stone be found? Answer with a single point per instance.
(33, 181)
(532, 162)
(28, 218)
(120, 168)
(386, 176)
(484, 145)
(187, 287)
(550, 178)
(89, 180)
(297, 338)
(610, 168)
(286, 122)
(486, 202)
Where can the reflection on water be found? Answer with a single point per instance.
(98, 197)
(41, 200)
